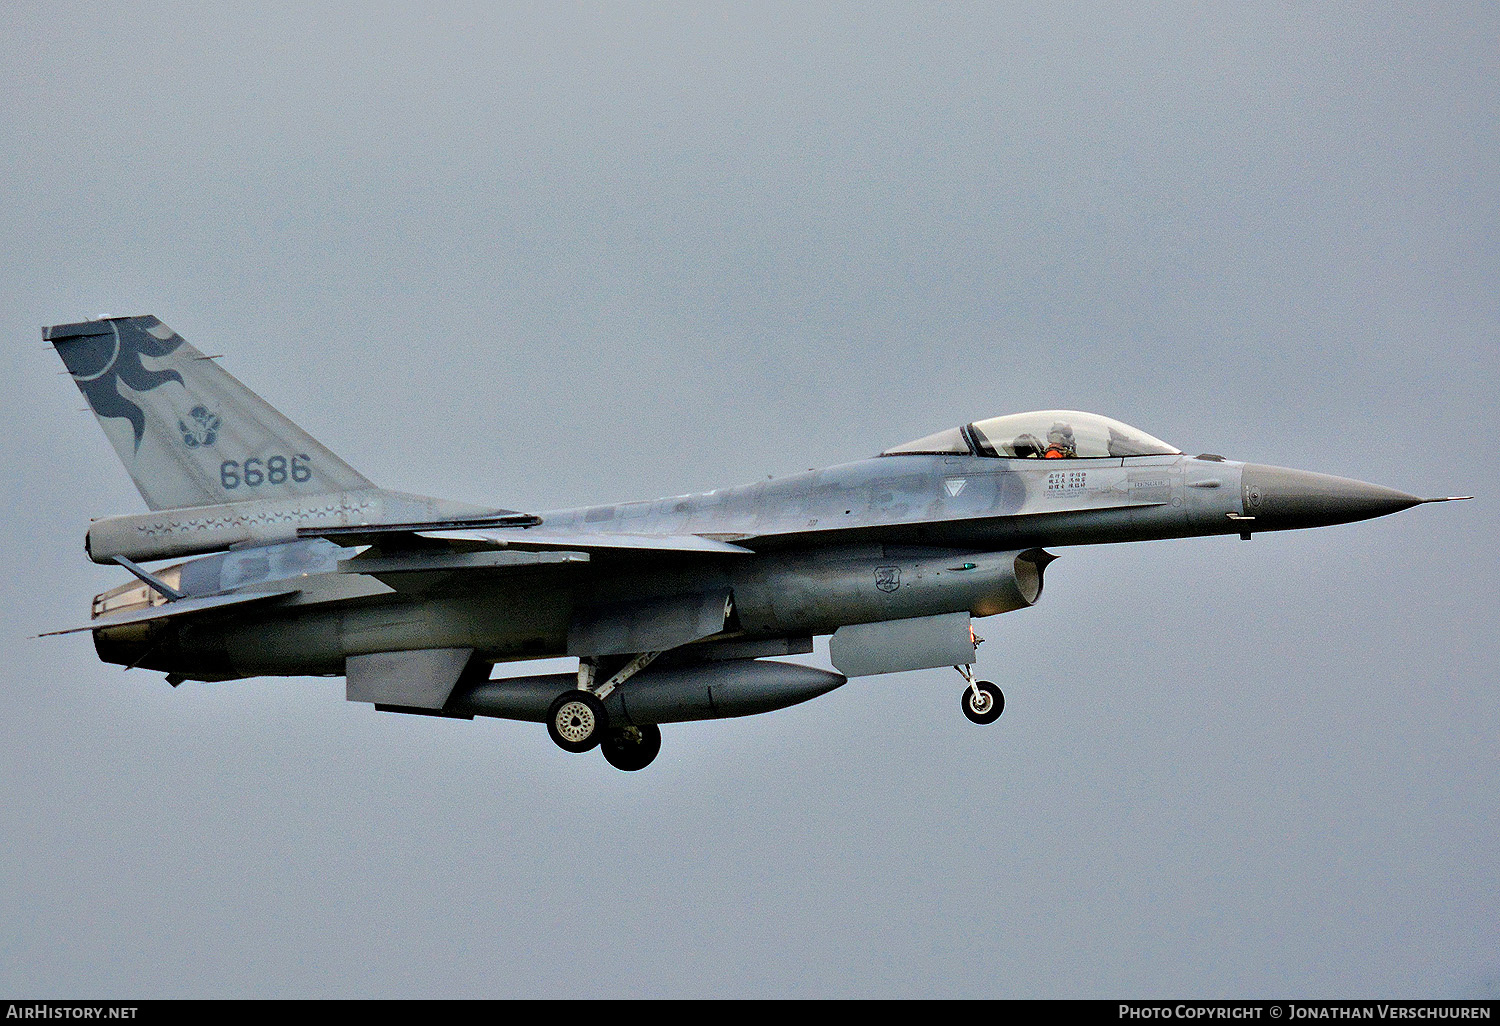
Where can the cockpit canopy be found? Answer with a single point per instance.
(1044, 434)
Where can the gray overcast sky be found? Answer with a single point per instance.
(555, 254)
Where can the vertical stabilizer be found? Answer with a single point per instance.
(188, 433)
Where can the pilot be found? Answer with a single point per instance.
(1060, 444)
(1027, 446)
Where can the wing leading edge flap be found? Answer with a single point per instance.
(404, 536)
(379, 561)
(181, 607)
(531, 538)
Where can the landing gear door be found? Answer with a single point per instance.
(891, 646)
(650, 625)
(414, 680)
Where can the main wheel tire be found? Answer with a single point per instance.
(985, 707)
(576, 721)
(631, 749)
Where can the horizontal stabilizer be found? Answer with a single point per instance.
(181, 607)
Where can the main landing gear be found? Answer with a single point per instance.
(983, 702)
(577, 720)
(631, 748)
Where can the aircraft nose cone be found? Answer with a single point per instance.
(1279, 498)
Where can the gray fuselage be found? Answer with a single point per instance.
(881, 539)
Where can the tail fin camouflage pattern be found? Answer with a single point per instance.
(189, 433)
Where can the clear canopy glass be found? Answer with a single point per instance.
(1043, 434)
(950, 441)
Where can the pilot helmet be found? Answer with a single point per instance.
(1060, 437)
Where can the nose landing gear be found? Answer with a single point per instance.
(982, 701)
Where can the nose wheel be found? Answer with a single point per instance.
(982, 701)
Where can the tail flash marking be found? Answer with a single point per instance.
(100, 362)
(197, 436)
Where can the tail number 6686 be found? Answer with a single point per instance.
(273, 470)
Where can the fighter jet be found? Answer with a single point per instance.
(290, 562)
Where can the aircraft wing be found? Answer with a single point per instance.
(543, 540)
(182, 607)
(527, 539)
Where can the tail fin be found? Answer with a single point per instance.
(188, 433)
